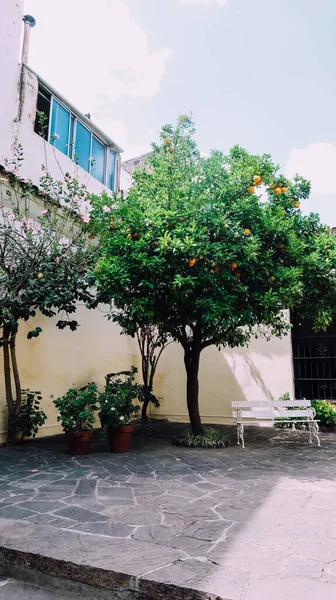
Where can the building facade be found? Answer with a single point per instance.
(58, 360)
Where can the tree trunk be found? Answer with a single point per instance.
(18, 395)
(191, 361)
(144, 410)
(11, 427)
(7, 371)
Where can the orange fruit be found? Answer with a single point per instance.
(272, 278)
(191, 262)
(272, 187)
(234, 265)
(112, 223)
(277, 190)
(40, 275)
(281, 246)
(90, 236)
(167, 141)
(257, 180)
(284, 190)
(251, 189)
(247, 231)
(297, 204)
(216, 268)
(237, 274)
(170, 149)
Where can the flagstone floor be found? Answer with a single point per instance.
(232, 523)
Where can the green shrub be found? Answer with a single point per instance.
(325, 412)
(116, 402)
(31, 417)
(76, 408)
(210, 438)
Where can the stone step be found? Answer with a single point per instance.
(70, 565)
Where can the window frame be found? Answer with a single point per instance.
(72, 143)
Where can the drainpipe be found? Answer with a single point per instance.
(29, 22)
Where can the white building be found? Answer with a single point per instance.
(74, 143)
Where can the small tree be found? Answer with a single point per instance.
(213, 250)
(151, 345)
(44, 257)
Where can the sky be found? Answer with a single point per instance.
(259, 73)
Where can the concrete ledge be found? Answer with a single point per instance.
(88, 566)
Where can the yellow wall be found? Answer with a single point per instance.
(58, 360)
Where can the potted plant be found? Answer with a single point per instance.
(117, 409)
(76, 412)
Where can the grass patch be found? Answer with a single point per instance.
(210, 438)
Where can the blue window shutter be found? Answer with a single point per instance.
(59, 129)
(111, 167)
(71, 138)
(82, 146)
(98, 164)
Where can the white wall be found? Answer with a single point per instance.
(11, 26)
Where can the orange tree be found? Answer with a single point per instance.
(212, 250)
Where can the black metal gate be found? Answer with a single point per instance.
(314, 359)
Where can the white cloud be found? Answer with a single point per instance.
(316, 162)
(219, 2)
(94, 54)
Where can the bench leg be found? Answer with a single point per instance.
(310, 433)
(240, 434)
(314, 431)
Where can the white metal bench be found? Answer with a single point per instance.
(258, 412)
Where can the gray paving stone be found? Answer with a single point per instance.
(86, 487)
(41, 506)
(13, 512)
(290, 588)
(80, 514)
(299, 566)
(160, 534)
(259, 516)
(205, 576)
(110, 529)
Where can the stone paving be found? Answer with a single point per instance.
(233, 524)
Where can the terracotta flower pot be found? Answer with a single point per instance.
(79, 441)
(120, 437)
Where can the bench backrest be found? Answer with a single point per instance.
(268, 409)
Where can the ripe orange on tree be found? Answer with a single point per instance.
(191, 262)
(234, 265)
(251, 189)
(277, 190)
(257, 180)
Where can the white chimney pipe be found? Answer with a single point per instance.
(29, 22)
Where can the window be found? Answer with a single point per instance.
(69, 135)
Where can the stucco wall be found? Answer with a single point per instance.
(58, 360)
(261, 371)
(10, 35)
